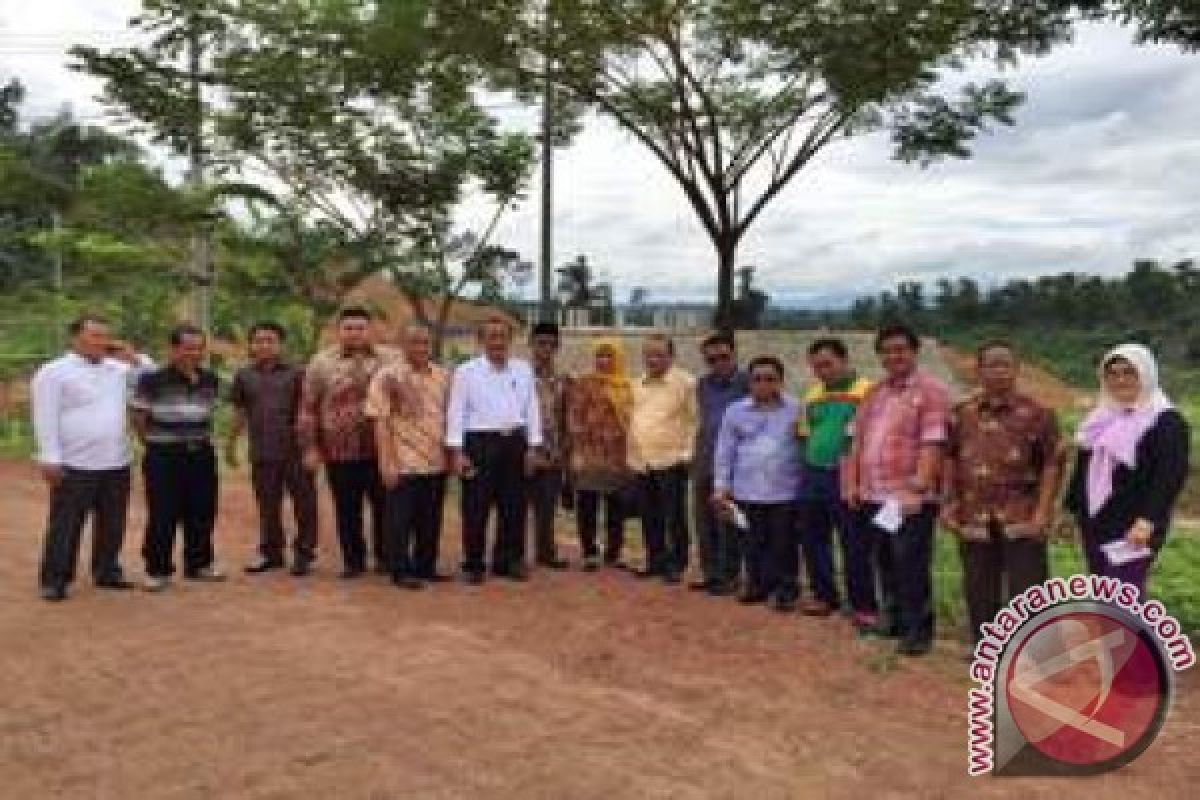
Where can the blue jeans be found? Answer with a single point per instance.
(820, 510)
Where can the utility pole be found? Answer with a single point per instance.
(58, 282)
(547, 309)
(200, 269)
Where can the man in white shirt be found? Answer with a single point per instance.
(492, 419)
(83, 451)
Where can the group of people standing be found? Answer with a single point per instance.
(764, 478)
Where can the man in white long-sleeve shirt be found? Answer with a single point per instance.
(492, 419)
(83, 451)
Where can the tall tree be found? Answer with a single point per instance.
(381, 138)
(736, 97)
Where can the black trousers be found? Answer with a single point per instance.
(997, 570)
(543, 491)
(181, 491)
(663, 496)
(905, 560)
(499, 483)
(414, 525)
(352, 482)
(271, 479)
(716, 540)
(587, 517)
(770, 549)
(103, 494)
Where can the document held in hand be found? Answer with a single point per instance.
(1122, 551)
(890, 517)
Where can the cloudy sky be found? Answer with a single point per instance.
(1100, 169)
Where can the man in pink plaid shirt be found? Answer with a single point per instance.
(899, 434)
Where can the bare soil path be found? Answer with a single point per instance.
(570, 686)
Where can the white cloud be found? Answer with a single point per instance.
(1098, 171)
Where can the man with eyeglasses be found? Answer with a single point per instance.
(891, 479)
(722, 385)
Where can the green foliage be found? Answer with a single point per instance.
(1064, 321)
(374, 147)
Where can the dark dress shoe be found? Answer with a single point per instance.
(516, 574)
(435, 577)
(752, 598)
(671, 577)
(914, 647)
(647, 573)
(719, 589)
(615, 563)
(406, 582)
(351, 573)
(263, 565)
(700, 586)
(553, 563)
(118, 583)
(54, 594)
(301, 568)
(473, 577)
(783, 605)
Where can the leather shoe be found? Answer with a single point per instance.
(406, 582)
(435, 577)
(263, 565)
(301, 568)
(914, 647)
(700, 586)
(752, 598)
(351, 573)
(114, 583)
(671, 576)
(647, 573)
(54, 594)
(473, 577)
(553, 563)
(518, 573)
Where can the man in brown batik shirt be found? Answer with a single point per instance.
(335, 432)
(1001, 475)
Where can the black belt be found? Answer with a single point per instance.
(508, 432)
(181, 447)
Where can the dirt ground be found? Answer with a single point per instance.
(570, 686)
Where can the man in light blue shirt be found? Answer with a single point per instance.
(756, 477)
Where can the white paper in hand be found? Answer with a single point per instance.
(1122, 551)
(739, 518)
(890, 517)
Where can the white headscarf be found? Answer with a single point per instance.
(1152, 397)
(1113, 429)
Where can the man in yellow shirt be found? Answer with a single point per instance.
(662, 432)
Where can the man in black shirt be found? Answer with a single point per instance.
(266, 401)
(172, 414)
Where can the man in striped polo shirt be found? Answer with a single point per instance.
(829, 408)
(172, 414)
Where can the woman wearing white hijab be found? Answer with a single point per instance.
(1132, 464)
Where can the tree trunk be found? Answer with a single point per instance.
(723, 319)
(439, 327)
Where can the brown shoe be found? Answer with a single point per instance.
(815, 608)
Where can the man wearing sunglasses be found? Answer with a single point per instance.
(723, 384)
